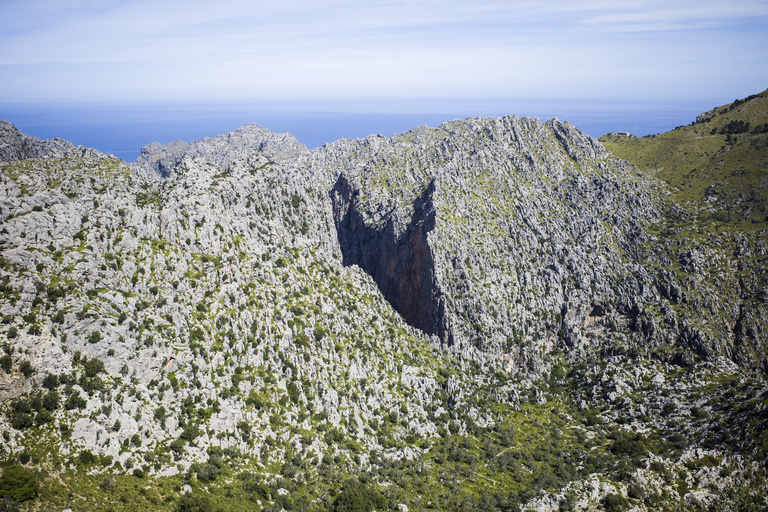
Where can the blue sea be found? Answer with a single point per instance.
(123, 129)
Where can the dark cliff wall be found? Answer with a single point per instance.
(401, 265)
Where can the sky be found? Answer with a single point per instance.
(381, 55)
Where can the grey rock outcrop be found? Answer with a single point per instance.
(15, 145)
(222, 150)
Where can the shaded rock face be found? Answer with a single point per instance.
(402, 265)
(15, 145)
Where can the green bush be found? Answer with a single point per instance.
(614, 502)
(87, 457)
(6, 362)
(43, 417)
(25, 367)
(356, 496)
(626, 443)
(93, 367)
(190, 432)
(21, 420)
(194, 503)
(18, 483)
(207, 473)
(75, 401)
(177, 445)
(58, 318)
(51, 381)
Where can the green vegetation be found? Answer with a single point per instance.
(715, 166)
(217, 341)
(17, 483)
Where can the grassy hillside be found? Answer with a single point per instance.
(716, 166)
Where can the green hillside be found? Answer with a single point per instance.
(717, 166)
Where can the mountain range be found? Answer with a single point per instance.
(493, 314)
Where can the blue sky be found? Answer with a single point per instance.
(381, 55)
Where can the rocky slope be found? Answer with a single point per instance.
(487, 314)
(511, 238)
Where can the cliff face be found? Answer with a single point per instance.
(515, 244)
(401, 264)
(534, 239)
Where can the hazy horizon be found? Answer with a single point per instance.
(335, 68)
(122, 129)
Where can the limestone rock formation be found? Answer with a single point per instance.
(15, 145)
(487, 314)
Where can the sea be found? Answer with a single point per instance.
(122, 129)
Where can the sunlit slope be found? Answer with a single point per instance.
(717, 164)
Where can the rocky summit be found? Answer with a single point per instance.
(494, 314)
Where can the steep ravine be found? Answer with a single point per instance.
(402, 265)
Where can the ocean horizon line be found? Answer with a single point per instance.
(122, 129)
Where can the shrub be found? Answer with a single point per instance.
(190, 432)
(194, 503)
(177, 445)
(75, 401)
(614, 502)
(51, 401)
(25, 367)
(93, 367)
(207, 473)
(21, 420)
(43, 417)
(87, 457)
(51, 381)
(18, 483)
(356, 496)
(626, 443)
(12, 332)
(636, 491)
(5, 363)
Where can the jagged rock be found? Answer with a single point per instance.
(15, 145)
(245, 294)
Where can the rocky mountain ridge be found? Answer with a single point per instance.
(490, 298)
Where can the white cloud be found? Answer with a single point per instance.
(231, 48)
